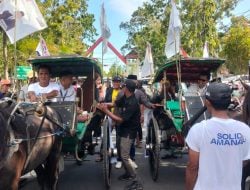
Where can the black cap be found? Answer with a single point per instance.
(132, 77)
(117, 78)
(130, 85)
(218, 92)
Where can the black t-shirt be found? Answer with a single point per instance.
(130, 113)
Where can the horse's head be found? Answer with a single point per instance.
(7, 104)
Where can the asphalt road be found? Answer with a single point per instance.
(89, 176)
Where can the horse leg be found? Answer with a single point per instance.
(40, 172)
(17, 164)
(52, 166)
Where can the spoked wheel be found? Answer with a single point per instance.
(106, 154)
(153, 148)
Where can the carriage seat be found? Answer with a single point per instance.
(177, 113)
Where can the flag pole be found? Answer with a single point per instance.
(15, 54)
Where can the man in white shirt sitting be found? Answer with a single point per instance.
(199, 88)
(67, 91)
(43, 88)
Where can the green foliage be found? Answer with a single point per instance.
(237, 45)
(69, 25)
(115, 70)
(199, 19)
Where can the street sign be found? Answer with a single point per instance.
(22, 71)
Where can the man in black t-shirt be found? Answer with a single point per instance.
(128, 122)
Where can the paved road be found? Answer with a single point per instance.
(89, 176)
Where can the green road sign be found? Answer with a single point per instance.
(22, 71)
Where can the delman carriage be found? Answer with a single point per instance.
(169, 124)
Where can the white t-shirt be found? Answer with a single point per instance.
(39, 90)
(194, 90)
(223, 144)
(67, 94)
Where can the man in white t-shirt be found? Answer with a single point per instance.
(218, 146)
(67, 91)
(43, 88)
(199, 88)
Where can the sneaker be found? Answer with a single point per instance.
(134, 164)
(125, 177)
(135, 185)
(118, 165)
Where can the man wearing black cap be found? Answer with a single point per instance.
(218, 146)
(128, 121)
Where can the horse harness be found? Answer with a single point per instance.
(22, 110)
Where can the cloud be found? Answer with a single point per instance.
(125, 7)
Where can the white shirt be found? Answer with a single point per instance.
(39, 90)
(194, 90)
(222, 144)
(67, 94)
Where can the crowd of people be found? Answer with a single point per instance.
(217, 146)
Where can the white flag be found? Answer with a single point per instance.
(205, 50)
(20, 19)
(105, 29)
(42, 49)
(147, 68)
(172, 46)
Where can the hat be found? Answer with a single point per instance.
(218, 92)
(130, 85)
(132, 77)
(5, 82)
(117, 78)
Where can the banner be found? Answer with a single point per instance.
(42, 49)
(172, 46)
(20, 19)
(147, 68)
(105, 30)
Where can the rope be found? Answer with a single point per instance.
(19, 141)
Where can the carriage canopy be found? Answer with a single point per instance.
(190, 68)
(78, 65)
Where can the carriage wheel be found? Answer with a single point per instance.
(106, 155)
(154, 148)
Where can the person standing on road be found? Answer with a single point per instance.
(128, 121)
(218, 146)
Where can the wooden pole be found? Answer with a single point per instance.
(5, 56)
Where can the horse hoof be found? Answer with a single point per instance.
(79, 162)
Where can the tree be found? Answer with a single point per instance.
(115, 70)
(199, 18)
(237, 45)
(69, 24)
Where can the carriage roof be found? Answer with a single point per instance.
(190, 68)
(78, 65)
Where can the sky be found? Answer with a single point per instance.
(118, 11)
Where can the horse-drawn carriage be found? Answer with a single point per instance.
(81, 142)
(169, 124)
(48, 128)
